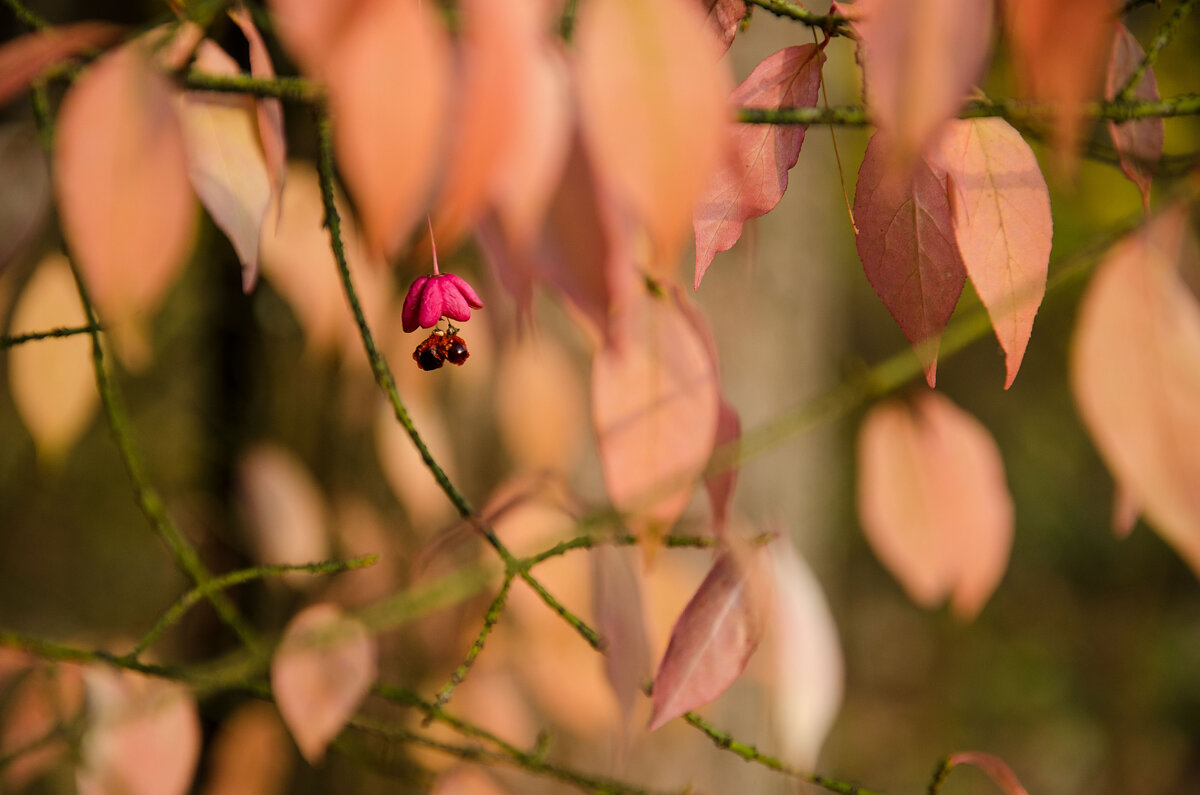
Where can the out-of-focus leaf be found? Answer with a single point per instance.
(540, 406)
(390, 151)
(907, 245)
(753, 178)
(1135, 373)
(250, 754)
(809, 672)
(997, 770)
(920, 59)
(721, 485)
(466, 781)
(621, 620)
(933, 501)
(652, 98)
(52, 383)
(284, 509)
(1001, 212)
(311, 30)
(24, 192)
(25, 57)
(143, 735)
(322, 669)
(1139, 143)
(123, 194)
(410, 479)
(226, 163)
(724, 17)
(46, 698)
(713, 639)
(655, 397)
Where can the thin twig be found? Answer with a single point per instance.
(489, 621)
(26, 16)
(1166, 32)
(832, 24)
(12, 341)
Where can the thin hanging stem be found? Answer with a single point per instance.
(433, 245)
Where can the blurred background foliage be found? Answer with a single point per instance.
(1083, 671)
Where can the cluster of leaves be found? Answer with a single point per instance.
(577, 169)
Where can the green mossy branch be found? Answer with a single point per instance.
(7, 341)
(1162, 38)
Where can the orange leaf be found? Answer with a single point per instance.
(920, 59)
(250, 754)
(312, 29)
(652, 97)
(323, 668)
(907, 245)
(123, 193)
(540, 405)
(52, 384)
(1002, 224)
(389, 150)
(1139, 143)
(226, 163)
(654, 405)
(752, 182)
(933, 501)
(26, 57)
(1135, 373)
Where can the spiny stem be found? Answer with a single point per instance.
(54, 333)
(460, 673)
(832, 24)
(1161, 39)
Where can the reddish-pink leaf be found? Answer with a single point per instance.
(312, 29)
(999, 772)
(1139, 143)
(1002, 223)
(1136, 375)
(654, 404)
(809, 672)
(713, 639)
(24, 192)
(920, 59)
(123, 193)
(1047, 71)
(323, 668)
(621, 620)
(720, 486)
(389, 151)
(652, 97)
(143, 735)
(753, 179)
(724, 17)
(25, 57)
(269, 110)
(226, 163)
(933, 501)
(52, 384)
(907, 245)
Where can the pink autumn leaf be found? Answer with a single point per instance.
(226, 164)
(808, 667)
(143, 735)
(311, 30)
(620, 618)
(652, 103)
(1001, 212)
(26, 57)
(713, 639)
(1139, 143)
(1135, 374)
(721, 484)
(933, 501)
(268, 109)
(907, 245)
(920, 59)
(283, 509)
(123, 193)
(724, 17)
(323, 668)
(753, 180)
(390, 151)
(655, 397)
(995, 768)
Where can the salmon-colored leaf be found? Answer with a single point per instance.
(540, 405)
(226, 163)
(724, 17)
(324, 666)
(999, 772)
(25, 191)
(1047, 71)
(250, 754)
(52, 383)
(143, 735)
(311, 30)
(26, 57)
(933, 501)
(1135, 373)
(283, 508)
(389, 151)
(48, 697)
(907, 245)
(269, 110)
(808, 667)
(720, 485)
(621, 620)
(123, 193)
(753, 179)
(1139, 143)
(652, 97)
(654, 404)
(1002, 223)
(713, 639)
(920, 59)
